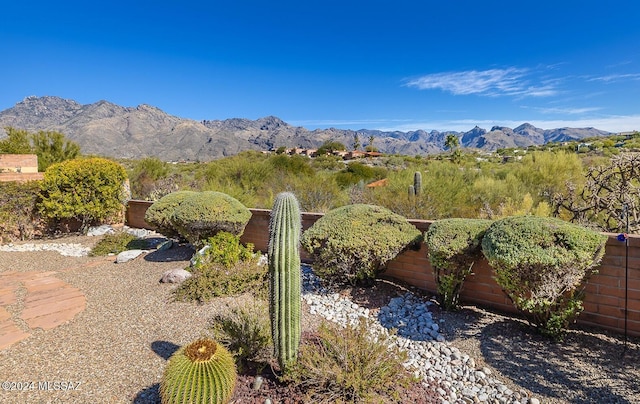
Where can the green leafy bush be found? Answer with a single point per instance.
(454, 245)
(224, 249)
(19, 218)
(161, 211)
(353, 243)
(89, 190)
(355, 172)
(349, 365)
(245, 330)
(542, 264)
(214, 280)
(203, 214)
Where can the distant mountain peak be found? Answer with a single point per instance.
(107, 129)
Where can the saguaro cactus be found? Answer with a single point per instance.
(284, 277)
(417, 183)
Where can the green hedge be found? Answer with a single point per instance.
(542, 264)
(203, 214)
(353, 243)
(161, 211)
(196, 216)
(454, 245)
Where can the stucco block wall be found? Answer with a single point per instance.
(605, 292)
(19, 167)
(24, 163)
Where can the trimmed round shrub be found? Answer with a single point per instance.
(90, 190)
(160, 213)
(542, 264)
(454, 245)
(353, 243)
(201, 372)
(203, 214)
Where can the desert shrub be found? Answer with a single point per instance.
(245, 330)
(89, 190)
(203, 214)
(354, 242)
(146, 175)
(349, 365)
(542, 264)
(160, 212)
(356, 172)
(212, 279)
(116, 243)
(19, 218)
(224, 249)
(454, 245)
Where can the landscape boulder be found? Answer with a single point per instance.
(128, 255)
(176, 275)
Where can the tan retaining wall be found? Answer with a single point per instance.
(19, 167)
(605, 293)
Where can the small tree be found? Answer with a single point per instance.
(356, 141)
(452, 142)
(53, 147)
(370, 147)
(330, 146)
(610, 197)
(90, 190)
(542, 264)
(16, 142)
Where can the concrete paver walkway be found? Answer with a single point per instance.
(30, 300)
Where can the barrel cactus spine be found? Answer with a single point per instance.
(200, 372)
(285, 278)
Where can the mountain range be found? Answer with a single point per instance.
(107, 129)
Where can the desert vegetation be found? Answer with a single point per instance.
(488, 205)
(555, 180)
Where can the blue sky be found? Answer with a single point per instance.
(405, 65)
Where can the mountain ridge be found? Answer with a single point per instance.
(111, 130)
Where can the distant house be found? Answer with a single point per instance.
(19, 167)
(355, 154)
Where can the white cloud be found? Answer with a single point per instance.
(569, 111)
(493, 83)
(616, 77)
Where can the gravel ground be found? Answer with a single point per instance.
(116, 349)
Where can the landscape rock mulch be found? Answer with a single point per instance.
(116, 349)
